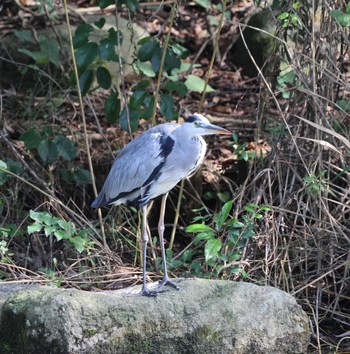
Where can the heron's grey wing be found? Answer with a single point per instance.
(136, 165)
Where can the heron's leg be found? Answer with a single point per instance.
(161, 228)
(144, 236)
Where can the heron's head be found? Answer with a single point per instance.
(199, 125)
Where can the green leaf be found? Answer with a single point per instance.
(156, 59)
(206, 4)
(38, 56)
(147, 49)
(86, 55)
(81, 35)
(35, 215)
(137, 99)
(112, 108)
(47, 150)
(132, 5)
(100, 23)
(82, 176)
(31, 138)
(167, 107)
(147, 112)
(176, 86)
(196, 84)
(85, 81)
(107, 50)
(65, 147)
(180, 51)
(103, 77)
(34, 228)
(171, 61)
(60, 235)
(222, 216)
(113, 36)
(3, 165)
(145, 68)
(133, 120)
(78, 243)
(212, 248)
(105, 3)
(3, 175)
(344, 104)
(51, 48)
(203, 236)
(25, 36)
(198, 228)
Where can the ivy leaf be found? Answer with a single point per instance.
(34, 228)
(112, 108)
(212, 248)
(113, 36)
(65, 148)
(132, 5)
(85, 81)
(100, 23)
(147, 49)
(167, 107)
(107, 50)
(147, 113)
(31, 138)
(86, 55)
(103, 77)
(81, 35)
(133, 120)
(180, 51)
(176, 86)
(82, 176)
(171, 61)
(47, 150)
(145, 68)
(105, 3)
(196, 84)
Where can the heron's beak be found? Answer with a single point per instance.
(215, 129)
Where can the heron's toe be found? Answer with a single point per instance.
(167, 282)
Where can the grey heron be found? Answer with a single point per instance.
(150, 166)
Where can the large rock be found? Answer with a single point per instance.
(206, 316)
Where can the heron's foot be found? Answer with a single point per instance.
(149, 293)
(165, 282)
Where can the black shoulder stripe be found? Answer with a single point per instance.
(166, 145)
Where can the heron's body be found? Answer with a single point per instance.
(151, 165)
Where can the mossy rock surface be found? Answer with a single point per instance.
(203, 317)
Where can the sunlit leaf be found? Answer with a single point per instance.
(212, 248)
(196, 84)
(198, 228)
(34, 228)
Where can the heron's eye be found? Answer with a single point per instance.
(196, 124)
